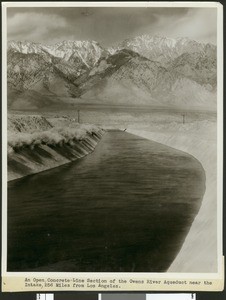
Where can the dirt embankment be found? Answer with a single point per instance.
(199, 251)
(35, 145)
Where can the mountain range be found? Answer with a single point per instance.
(145, 70)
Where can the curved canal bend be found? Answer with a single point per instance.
(127, 207)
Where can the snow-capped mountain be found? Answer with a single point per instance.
(163, 49)
(144, 70)
(50, 69)
(89, 52)
(25, 47)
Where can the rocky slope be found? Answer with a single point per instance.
(87, 52)
(163, 49)
(36, 72)
(141, 71)
(128, 78)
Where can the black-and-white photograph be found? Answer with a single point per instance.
(112, 139)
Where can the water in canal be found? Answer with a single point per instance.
(127, 207)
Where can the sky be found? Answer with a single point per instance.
(109, 26)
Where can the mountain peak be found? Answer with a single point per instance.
(162, 49)
(25, 47)
(146, 69)
(89, 52)
(77, 43)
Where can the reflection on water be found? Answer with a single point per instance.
(126, 207)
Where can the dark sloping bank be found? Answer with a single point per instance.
(31, 151)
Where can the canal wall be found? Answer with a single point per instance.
(35, 145)
(199, 251)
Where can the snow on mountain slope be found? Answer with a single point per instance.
(87, 52)
(25, 47)
(50, 69)
(162, 49)
(141, 71)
